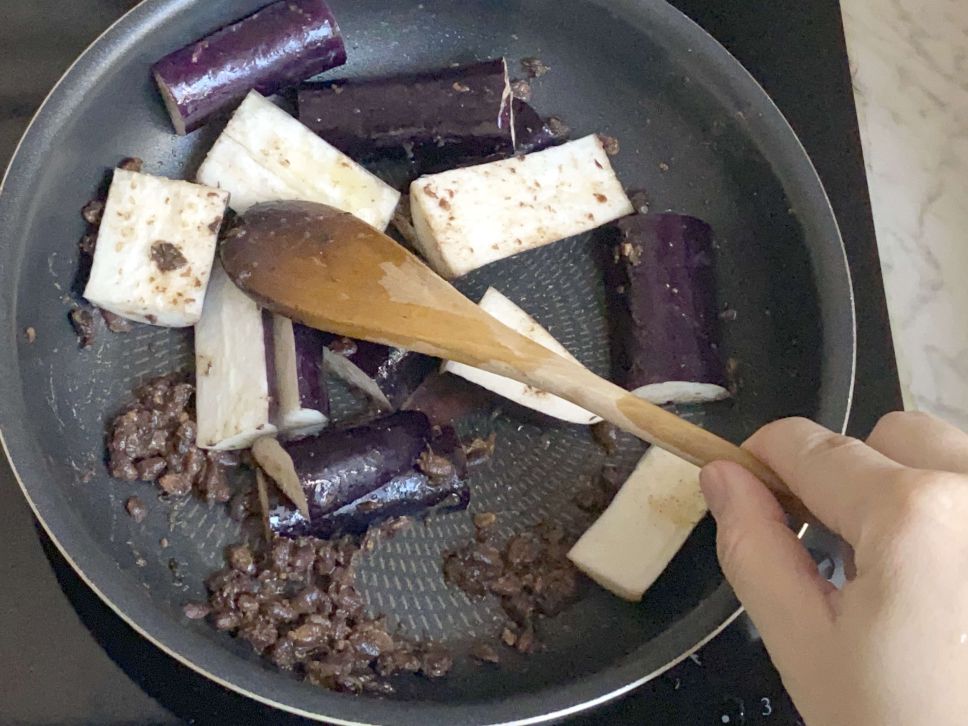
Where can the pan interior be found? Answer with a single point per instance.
(690, 136)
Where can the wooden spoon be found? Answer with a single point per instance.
(329, 270)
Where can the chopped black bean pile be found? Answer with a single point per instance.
(598, 493)
(480, 450)
(530, 574)
(521, 89)
(131, 163)
(343, 346)
(153, 439)
(484, 520)
(559, 128)
(610, 144)
(93, 211)
(297, 605)
(534, 67)
(88, 243)
(606, 436)
(244, 504)
(115, 323)
(82, 319)
(197, 610)
(485, 653)
(640, 200)
(136, 509)
(436, 467)
(175, 568)
(390, 528)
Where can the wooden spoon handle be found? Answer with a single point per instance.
(654, 424)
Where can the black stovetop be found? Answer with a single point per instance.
(66, 658)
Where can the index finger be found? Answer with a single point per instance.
(838, 478)
(921, 441)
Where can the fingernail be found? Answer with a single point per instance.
(715, 488)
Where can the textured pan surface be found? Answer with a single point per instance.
(695, 131)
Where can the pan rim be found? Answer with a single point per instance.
(419, 712)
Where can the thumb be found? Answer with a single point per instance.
(770, 570)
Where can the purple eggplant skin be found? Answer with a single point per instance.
(338, 467)
(450, 112)
(409, 494)
(531, 131)
(662, 301)
(387, 375)
(269, 342)
(278, 46)
(313, 393)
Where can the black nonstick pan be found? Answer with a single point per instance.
(696, 132)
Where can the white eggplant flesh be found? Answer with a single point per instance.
(265, 155)
(681, 393)
(346, 370)
(647, 523)
(303, 403)
(467, 218)
(230, 166)
(501, 308)
(231, 369)
(278, 464)
(155, 249)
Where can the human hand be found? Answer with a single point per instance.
(891, 647)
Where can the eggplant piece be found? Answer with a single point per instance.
(265, 155)
(388, 376)
(411, 493)
(662, 299)
(531, 132)
(276, 462)
(644, 527)
(280, 45)
(448, 113)
(340, 466)
(233, 393)
(155, 247)
(467, 218)
(302, 394)
(505, 311)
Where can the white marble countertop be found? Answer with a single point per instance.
(909, 61)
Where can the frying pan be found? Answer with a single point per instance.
(696, 132)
